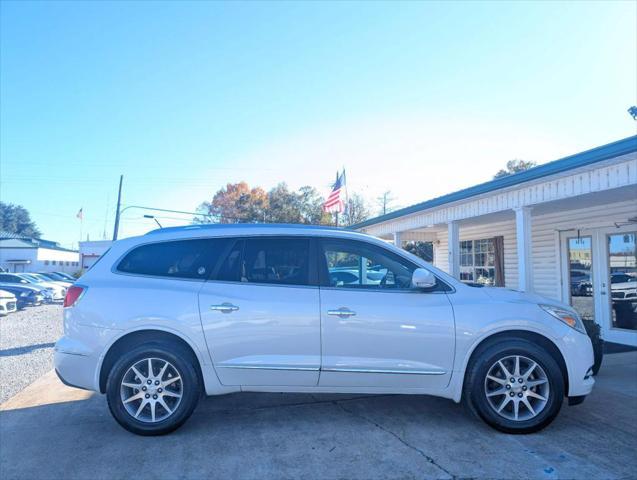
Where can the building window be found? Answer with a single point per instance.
(46, 262)
(477, 261)
(53, 262)
(67, 264)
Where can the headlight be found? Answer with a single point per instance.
(569, 317)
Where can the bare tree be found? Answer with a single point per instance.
(356, 210)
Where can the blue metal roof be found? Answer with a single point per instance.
(598, 154)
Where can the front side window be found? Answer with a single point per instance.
(178, 259)
(276, 260)
(360, 265)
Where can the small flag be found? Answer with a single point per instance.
(334, 202)
(80, 214)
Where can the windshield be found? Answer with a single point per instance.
(30, 278)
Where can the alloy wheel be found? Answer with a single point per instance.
(151, 390)
(517, 388)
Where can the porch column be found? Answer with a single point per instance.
(523, 238)
(454, 249)
(398, 240)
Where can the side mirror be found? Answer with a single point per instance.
(423, 278)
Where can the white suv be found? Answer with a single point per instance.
(162, 318)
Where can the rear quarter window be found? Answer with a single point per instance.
(192, 259)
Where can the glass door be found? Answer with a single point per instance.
(579, 288)
(620, 285)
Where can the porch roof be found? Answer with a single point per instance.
(582, 159)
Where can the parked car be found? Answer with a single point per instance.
(58, 290)
(45, 278)
(623, 290)
(161, 318)
(26, 295)
(623, 287)
(8, 303)
(54, 277)
(65, 276)
(48, 292)
(581, 285)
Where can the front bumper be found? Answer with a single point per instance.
(578, 354)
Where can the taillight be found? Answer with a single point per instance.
(73, 294)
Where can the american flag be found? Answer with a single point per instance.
(335, 202)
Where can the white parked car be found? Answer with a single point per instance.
(161, 318)
(44, 277)
(8, 303)
(57, 290)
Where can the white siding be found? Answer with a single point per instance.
(545, 241)
(546, 253)
(505, 229)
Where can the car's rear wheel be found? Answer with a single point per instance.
(153, 389)
(515, 386)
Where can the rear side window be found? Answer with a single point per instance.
(276, 260)
(177, 259)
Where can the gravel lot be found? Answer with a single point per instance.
(27, 338)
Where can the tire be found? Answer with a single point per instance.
(546, 382)
(180, 377)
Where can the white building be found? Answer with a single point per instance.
(90, 252)
(566, 229)
(26, 254)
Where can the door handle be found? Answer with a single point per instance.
(224, 308)
(341, 312)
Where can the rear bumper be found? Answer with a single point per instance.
(75, 363)
(75, 370)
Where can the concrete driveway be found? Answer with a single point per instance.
(51, 431)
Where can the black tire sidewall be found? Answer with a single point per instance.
(190, 382)
(484, 360)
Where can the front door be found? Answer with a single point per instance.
(260, 314)
(600, 275)
(619, 284)
(376, 330)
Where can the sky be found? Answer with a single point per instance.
(418, 98)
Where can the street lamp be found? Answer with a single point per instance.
(154, 218)
(151, 216)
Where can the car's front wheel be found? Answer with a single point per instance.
(515, 386)
(153, 389)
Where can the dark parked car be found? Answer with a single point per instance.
(25, 295)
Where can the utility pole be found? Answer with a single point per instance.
(384, 200)
(117, 212)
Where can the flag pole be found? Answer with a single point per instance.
(346, 196)
(336, 213)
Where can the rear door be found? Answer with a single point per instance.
(377, 331)
(260, 313)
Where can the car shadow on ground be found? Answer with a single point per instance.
(250, 435)
(9, 352)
